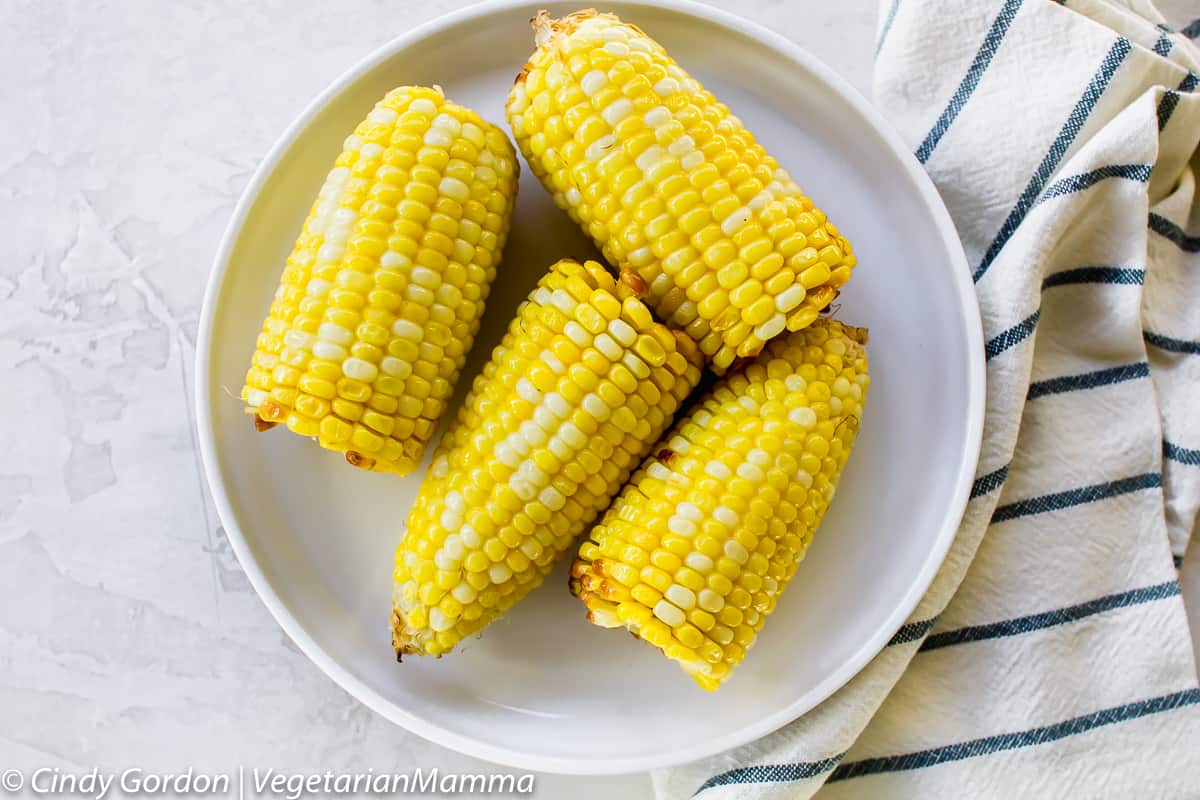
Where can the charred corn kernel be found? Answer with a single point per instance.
(669, 183)
(538, 449)
(381, 298)
(724, 510)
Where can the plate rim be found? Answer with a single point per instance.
(523, 759)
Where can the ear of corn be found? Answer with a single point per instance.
(382, 296)
(581, 386)
(670, 184)
(696, 550)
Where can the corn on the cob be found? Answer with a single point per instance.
(696, 550)
(584, 382)
(381, 298)
(670, 184)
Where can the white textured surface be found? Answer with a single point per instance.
(128, 635)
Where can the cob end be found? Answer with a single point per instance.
(703, 607)
(631, 284)
(543, 27)
(546, 27)
(860, 335)
(857, 335)
(272, 412)
(402, 640)
(356, 459)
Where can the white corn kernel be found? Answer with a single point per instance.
(680, 596)
(528, 392)
(454, 189)
(506, 455)
(558, 405)
(622, 332)
(395, 367)
(335, 333)
(666, 87)
(681, 527)
(328, 351)
(734, 222)
(596, 407)
(552, 498)
(299, 340)
(804, 417)
(718, 470)
(423, 106)
(382, 116)
(359, 370)
(608, 347)
(438, 138)
(593, 82)
(393, 260)
(771, 328)
(726, 516)
(735, 550)
(438, 620)
(710, 600)
(668, 613)
(649, 157)
(789, 298)
(406, 329)
(577, 334)
(617, 111)
(751, 473)
(464, 593)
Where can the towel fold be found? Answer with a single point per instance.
(1051, 657)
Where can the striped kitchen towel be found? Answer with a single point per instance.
(1051, 657)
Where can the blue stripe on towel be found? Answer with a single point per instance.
(1164, 227)
(1170, 98)
(1076, 497)
(1166, 107)
(911, 631)
(1088, 380)
(1013, 336)
(1012, 741)
(1129, 276)
(1049, 619)
(887, 25)
(1163, 45)
(985, 484)
(772, 773)
(991, 43)
(1076, 119)
(1077, 183)
(1181, 454)
(1171, 345)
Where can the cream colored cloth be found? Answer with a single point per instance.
(1051, 657)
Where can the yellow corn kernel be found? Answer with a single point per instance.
(670, 184)
(535, 455)
(724, 511)
(388, 257)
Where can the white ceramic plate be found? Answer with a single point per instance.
(543, 689)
